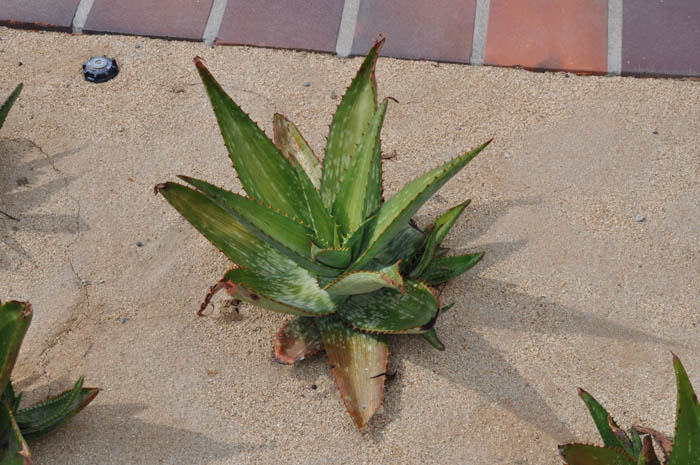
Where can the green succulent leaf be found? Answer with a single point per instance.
(390, 311)
(11, 398)
(350, 122)
(686, 442)
(42, 418)
(15, 318)
(289, 237)
(403, 247)
(298, 339)
(396, 212)
(444, 269)
(363, 282)
(294, 147)
(440, 229)
(234, 239)
(336, 258)
(13, 448)
(5, 108)
(358, 364)
(603, 421)
(296, 292)
(583, 454)
(264, 172)
(361, 190)
(325, 228)
(432, 338)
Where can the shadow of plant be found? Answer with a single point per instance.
(113, 434)
(23, 188)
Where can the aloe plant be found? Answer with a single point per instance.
(319, 242)
(17, 423)
(636, 447)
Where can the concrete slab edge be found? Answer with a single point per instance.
(346, 32)
(216, 16)
(481, 22)
(81, 15)
(615, 37)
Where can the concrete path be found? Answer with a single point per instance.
(586, 205)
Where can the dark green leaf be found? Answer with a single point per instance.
(395, 213)
(390, 311)
(5, 108)
(583, 454)
(432, 338)
(13, 448)
(686, 441)
(42, 418)
(337, 258)
(440, 229)
(444, 269)
(15, 318)
(264, 172)
(600, 418)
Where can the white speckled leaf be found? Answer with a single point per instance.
(225, 232)
(355, 193)
(395, 213)
(363, 282)
(295, 292)
(264, 172)
(337, 258)
(389, 311)
(350, 122)
(358, 362)
(284, 234)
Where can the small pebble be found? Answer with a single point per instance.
(639, 218)
(124, 320)
(137, 46)
(139, 244)
(313, 386)
(20, 63)
(306, 84)
(23, 181)
(334, 96)
(655, 132)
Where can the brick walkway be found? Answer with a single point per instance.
(629, 37)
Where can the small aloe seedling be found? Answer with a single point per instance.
(4, 110)
(16, 423)
(320, 243)
(7, 104)
(636, 447)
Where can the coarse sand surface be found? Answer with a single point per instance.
(573, 290)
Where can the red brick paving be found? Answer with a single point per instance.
(434, 30)
(658, 37)
(548, 34)
(182, 19)
(303, 24)
(39, 14)
(661, 37)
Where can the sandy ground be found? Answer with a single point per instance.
(572, 291)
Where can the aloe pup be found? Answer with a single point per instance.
(319, 242)
(4, 110)
(16, 423)
(636, 448)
